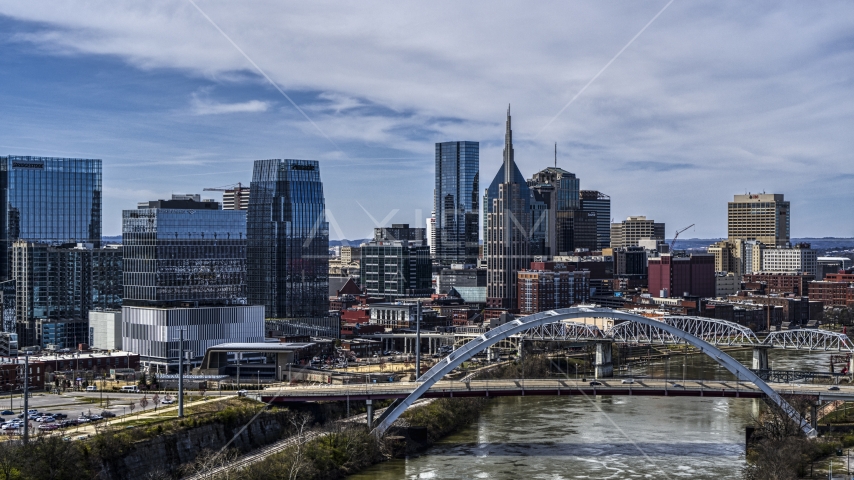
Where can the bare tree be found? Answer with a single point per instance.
(301, 422)
(213, 465)
(143, 402)
(132, 405)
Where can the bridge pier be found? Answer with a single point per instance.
(603, 367)
(370, 415)
(760, 357)
(520, 350)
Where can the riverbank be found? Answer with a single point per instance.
(345, 449)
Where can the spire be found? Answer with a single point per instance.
(508, 151)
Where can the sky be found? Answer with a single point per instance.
(669, 107)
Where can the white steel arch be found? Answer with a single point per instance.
(486, 340)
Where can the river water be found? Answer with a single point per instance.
(557, 438)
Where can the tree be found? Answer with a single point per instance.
(143, 402)
(143, 383)
(132, 405)
(301, 422)
(10, 459)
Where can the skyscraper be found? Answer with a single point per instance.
(455, 202)
(184, 250)
(508, 230)
(287, 259)
(759, 216)
(593, 201)
(554, 225)
(48, 200)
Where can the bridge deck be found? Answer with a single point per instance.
(499, 388)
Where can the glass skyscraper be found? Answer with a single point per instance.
(455, 202)
(287, 258)
(184, 250)
(48, 200)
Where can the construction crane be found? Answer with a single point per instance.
(673, 242)
(238, 199)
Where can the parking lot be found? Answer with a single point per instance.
(74, 405)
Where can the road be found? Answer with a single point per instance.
(521, 387)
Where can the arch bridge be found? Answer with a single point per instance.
(553, 321)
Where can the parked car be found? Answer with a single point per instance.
(9, 426)
(7, 412)
(108, 414)
(169, 401)
(32, 412)
(68, 423)
(48, 426)
(82, 420)
(60, 416)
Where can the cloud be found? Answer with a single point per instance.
(720, 96)
(208, 107)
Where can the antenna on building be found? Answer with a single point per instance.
(555, 154)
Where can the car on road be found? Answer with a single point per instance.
(594, 383)
(676, 385)
(7, 412)
(628, 380)
(242, 393)
(169, 401)
(833, 388)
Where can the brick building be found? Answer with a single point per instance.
(836, 290)
(794, 283)
(550, 285)
(671, 276)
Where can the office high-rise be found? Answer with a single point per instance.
(48, 200)
(287, 259)
(184, 250)
(633, 229)
(593, 201)
(508, 230)
(558, 190)
(455, 202)
(759, 216)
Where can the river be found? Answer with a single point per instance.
(602, 437)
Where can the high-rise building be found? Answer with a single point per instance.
(401, 232)
(798, 259)
(593, 201)
(184, 250)
(550, 285)
(628, 232)
(508, 229)
(57, 287)
(287, 258)
(763, 217)
(185, 269)
(236, 198)
(48, 200)
(431, 234)
(455, 202)
(554, 211)
(396, 268)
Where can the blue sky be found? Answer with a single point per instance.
(712, 99)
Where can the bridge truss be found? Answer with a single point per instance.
(717, 332)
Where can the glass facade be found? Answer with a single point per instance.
(184, 252)
(594, 201)
(57, 286)
(396, 269)
(287, 258)
(455, 202)
(50, 200)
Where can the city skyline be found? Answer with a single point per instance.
(166, 120)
